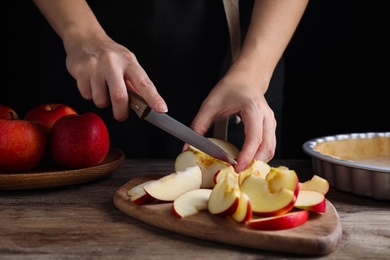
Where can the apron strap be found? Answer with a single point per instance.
(233, 20)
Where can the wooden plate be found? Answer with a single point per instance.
(48, 175)
(319, 236)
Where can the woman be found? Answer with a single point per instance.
(175, 54)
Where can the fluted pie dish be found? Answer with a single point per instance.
(358, 163)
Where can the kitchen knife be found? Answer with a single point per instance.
(177, 129)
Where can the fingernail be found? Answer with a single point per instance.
(162, 107)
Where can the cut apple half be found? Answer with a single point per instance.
(244, 210)
(316, 183)
(286, 221)
(224, 197)
(169, 187)
(209, 174)
(191, 202)
(263, 201)
(138, 195)
(311, 201)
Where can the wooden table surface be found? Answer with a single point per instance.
(82, 222)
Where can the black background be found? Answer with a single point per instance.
(337, 69)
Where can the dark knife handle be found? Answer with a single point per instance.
(139, 105)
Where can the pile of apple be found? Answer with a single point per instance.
(262, 197)
(53, 131)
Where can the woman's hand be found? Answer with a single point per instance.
(105, 70)
(238, 94)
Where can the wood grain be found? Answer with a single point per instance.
(319, 236)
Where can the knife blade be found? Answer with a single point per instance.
(177, 129)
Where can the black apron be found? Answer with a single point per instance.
(184, 47)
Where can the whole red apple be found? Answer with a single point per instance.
(7, 113)
(79, 140)
(22, 145)
(47, 114)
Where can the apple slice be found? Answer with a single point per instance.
(169, 187)
(263, 201)
(208, 165)
(224, 197)
(316, 183)
(257, 167)
(311, 201)
(191, 202)
(244, 210)
(286, 221)
(209, 173)
(184, 160)
(220, 174)
(138, 195)
(282, 177)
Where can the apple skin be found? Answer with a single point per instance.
(138, 195)
(79, 140)
(7, 113)
(286, 221)
(22, 145)
(48, 114)
(311, 201)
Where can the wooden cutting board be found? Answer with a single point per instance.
(319, 236)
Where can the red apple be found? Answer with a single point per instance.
(7, 113)
(286, 221)
(48, 114)
(22, 145)
(79, 140)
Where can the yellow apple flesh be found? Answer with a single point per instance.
(169, 187)
(138, 195)
(263, 201)
(190, 203)
(224, 197)
(311, 201)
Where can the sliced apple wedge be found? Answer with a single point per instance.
(311, 201)
(258, 168)
(138, 195)
(208, 180)
(286, 221)
(244, 210)
(220, 174)
(263, 201)
(208, 165)
(282, 177)
(169, 187)
(224, 197)
(191, 202)
(184, 160)
(316, 183)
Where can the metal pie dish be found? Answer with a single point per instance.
(358, 163)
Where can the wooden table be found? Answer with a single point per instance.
(82, 222)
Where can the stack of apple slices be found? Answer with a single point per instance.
(261, 197)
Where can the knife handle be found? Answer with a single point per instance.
(139, 105)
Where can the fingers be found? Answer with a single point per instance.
(260, 140)
(138, 81)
